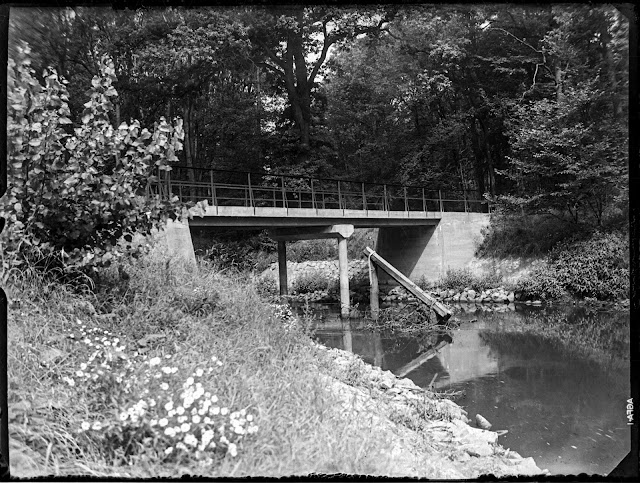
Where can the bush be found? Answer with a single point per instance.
(74, 194)
(486, 281)
(312, 250)
(266, 286)
(457, 279)
(236, 249)
(312, 281)
(541, 283)
(597, 267)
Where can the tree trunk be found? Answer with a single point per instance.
(558, 78)
(258, 117)
(605, 38)
(187, 138)
(477, 151)
(298, 89)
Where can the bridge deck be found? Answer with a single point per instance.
(270, 217)
(243, 199)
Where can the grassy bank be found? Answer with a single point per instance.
(158, 371)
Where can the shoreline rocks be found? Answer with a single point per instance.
(359, 288)
(443, 447)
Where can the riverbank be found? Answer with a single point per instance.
(490, 283)
(164, 372)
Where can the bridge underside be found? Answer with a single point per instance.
(267, 217)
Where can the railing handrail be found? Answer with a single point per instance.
(334, 180)
(313, 192)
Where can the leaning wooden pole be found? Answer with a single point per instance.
(374, 294)
(436, 306)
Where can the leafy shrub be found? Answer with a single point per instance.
(266, 286)
(235, 255)
(311, 281)
(236, 249)
(597, 267)
(541, 283)
(457, 279)
(312, 250)
(486, 281)
(73, 196)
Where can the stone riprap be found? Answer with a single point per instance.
(490, 296)
(442, 447)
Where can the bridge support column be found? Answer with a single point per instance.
(282, 267)
(343, 268)
(341, 232)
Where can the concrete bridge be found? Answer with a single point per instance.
(421, 231)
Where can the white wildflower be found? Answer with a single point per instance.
(233, 450)
(191, 440)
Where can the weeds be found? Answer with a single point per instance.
(310, 281)
(112, 400)
(461, 279)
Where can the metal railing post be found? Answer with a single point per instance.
(214, 198)
(364, 199)
(385, 203)
(251, 193)
(440, 199)
(424, 202)
(406, 201)
(313, 196)
(284, 197)
(169, 184)
(339, 198)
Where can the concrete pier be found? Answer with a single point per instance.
(343, 267)
(341, 232)
(282, 267)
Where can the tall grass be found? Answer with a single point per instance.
(81, 406)
(460, 279)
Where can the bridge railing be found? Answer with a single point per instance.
(251, 189)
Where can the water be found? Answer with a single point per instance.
(565, 410)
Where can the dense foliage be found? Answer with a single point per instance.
(597, 267)
(77, 190)
(525, 105)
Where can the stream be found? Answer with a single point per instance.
(564, 409)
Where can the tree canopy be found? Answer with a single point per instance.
(526, 104)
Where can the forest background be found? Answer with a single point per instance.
(528, 106)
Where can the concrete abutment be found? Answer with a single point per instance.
(427, 252)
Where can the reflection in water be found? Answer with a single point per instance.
(566, 412)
